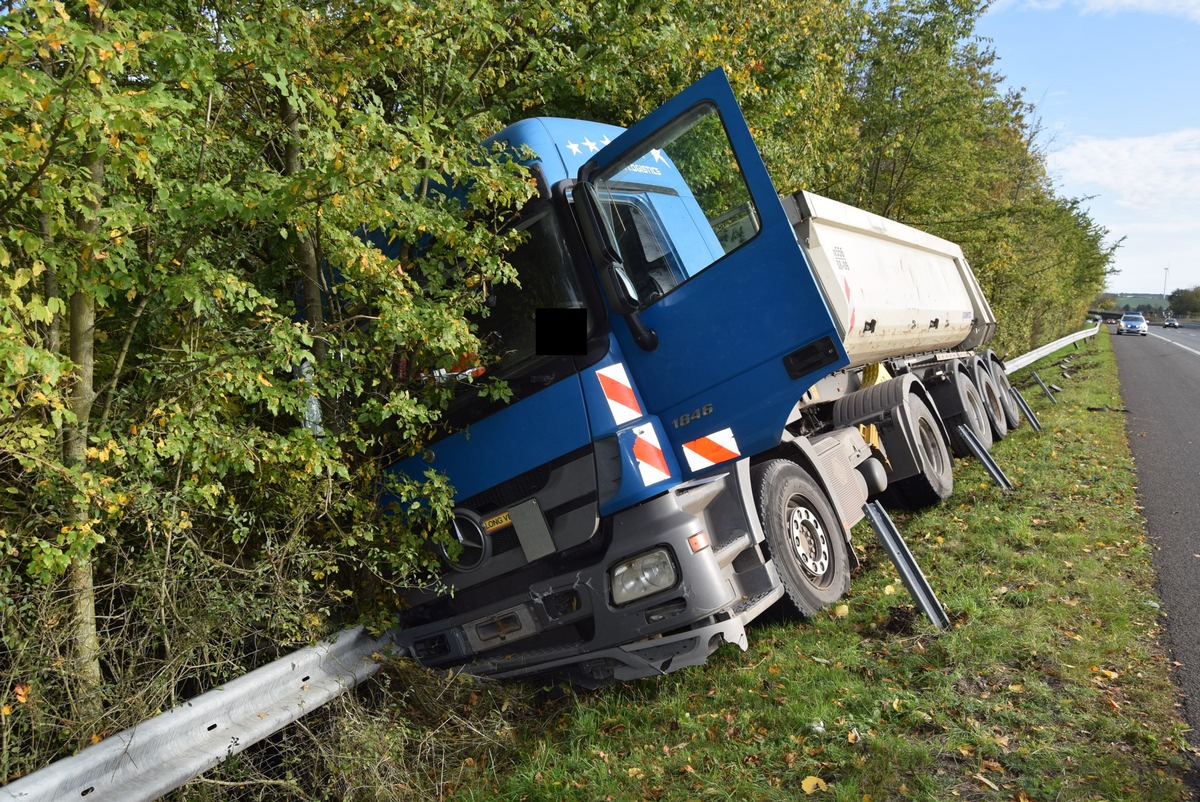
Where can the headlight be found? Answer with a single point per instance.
(642, 576)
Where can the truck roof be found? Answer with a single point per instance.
(562, 145)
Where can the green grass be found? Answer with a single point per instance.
(1050, 685)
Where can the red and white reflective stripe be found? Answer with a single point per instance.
(649, 455)
(708, 451)
(619, 392)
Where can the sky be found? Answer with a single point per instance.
(1116, 89)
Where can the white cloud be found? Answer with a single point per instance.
(1188, 9)
(1139, 172)
(1146, 192)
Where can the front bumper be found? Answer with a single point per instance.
(568, 625)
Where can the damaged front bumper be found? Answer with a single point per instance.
(569, 625)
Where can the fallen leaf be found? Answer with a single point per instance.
(813, 784)
(842, 610)
(986, 782)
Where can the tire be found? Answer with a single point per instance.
(991, 398)
(1012, 410)
(974, 416)
(935, 481)
(803, 536)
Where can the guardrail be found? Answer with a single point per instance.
(164, 752)
(1027, 359)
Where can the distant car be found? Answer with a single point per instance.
(1170, 323)
(1132, 323)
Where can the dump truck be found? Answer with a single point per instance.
(709, 383)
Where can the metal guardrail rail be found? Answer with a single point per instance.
(162, 753)
(1027, 359)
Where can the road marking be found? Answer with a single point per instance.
(1172, 342)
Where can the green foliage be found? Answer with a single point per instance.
(194, 171)
(200, 176)
(1184, 301)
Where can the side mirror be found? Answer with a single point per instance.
(620, 290)
(597, 228)
(602, 246)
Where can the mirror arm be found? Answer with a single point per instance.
(646, 338)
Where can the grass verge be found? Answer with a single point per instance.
(1050, 685)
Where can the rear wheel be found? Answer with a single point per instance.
(1012, 411)
(804, 538)
(973, 415)
(991, 398)
(935, 481)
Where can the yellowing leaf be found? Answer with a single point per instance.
(986, 781)
(6, 710)
(813, 784)
(263, 380)
(21, 689)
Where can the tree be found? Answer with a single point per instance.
(185, 192)
(1185, 302)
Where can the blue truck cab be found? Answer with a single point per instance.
(608, 519)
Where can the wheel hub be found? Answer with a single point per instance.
(810, 543)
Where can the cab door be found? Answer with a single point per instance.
(724, 325)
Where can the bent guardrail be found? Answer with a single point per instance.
(162, 753)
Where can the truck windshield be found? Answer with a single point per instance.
(547, 281)
(678, 204)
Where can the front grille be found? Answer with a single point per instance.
(510, 491)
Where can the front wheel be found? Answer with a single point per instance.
(804, 538)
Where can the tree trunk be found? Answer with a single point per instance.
(310, 267)
(82, 339)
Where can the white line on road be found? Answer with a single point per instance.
(1172, 342)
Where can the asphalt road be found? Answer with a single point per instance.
(1160, 385)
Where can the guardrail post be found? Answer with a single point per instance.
(981, 454)
(1045, 389)
(1027, 410)
(906, 564)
